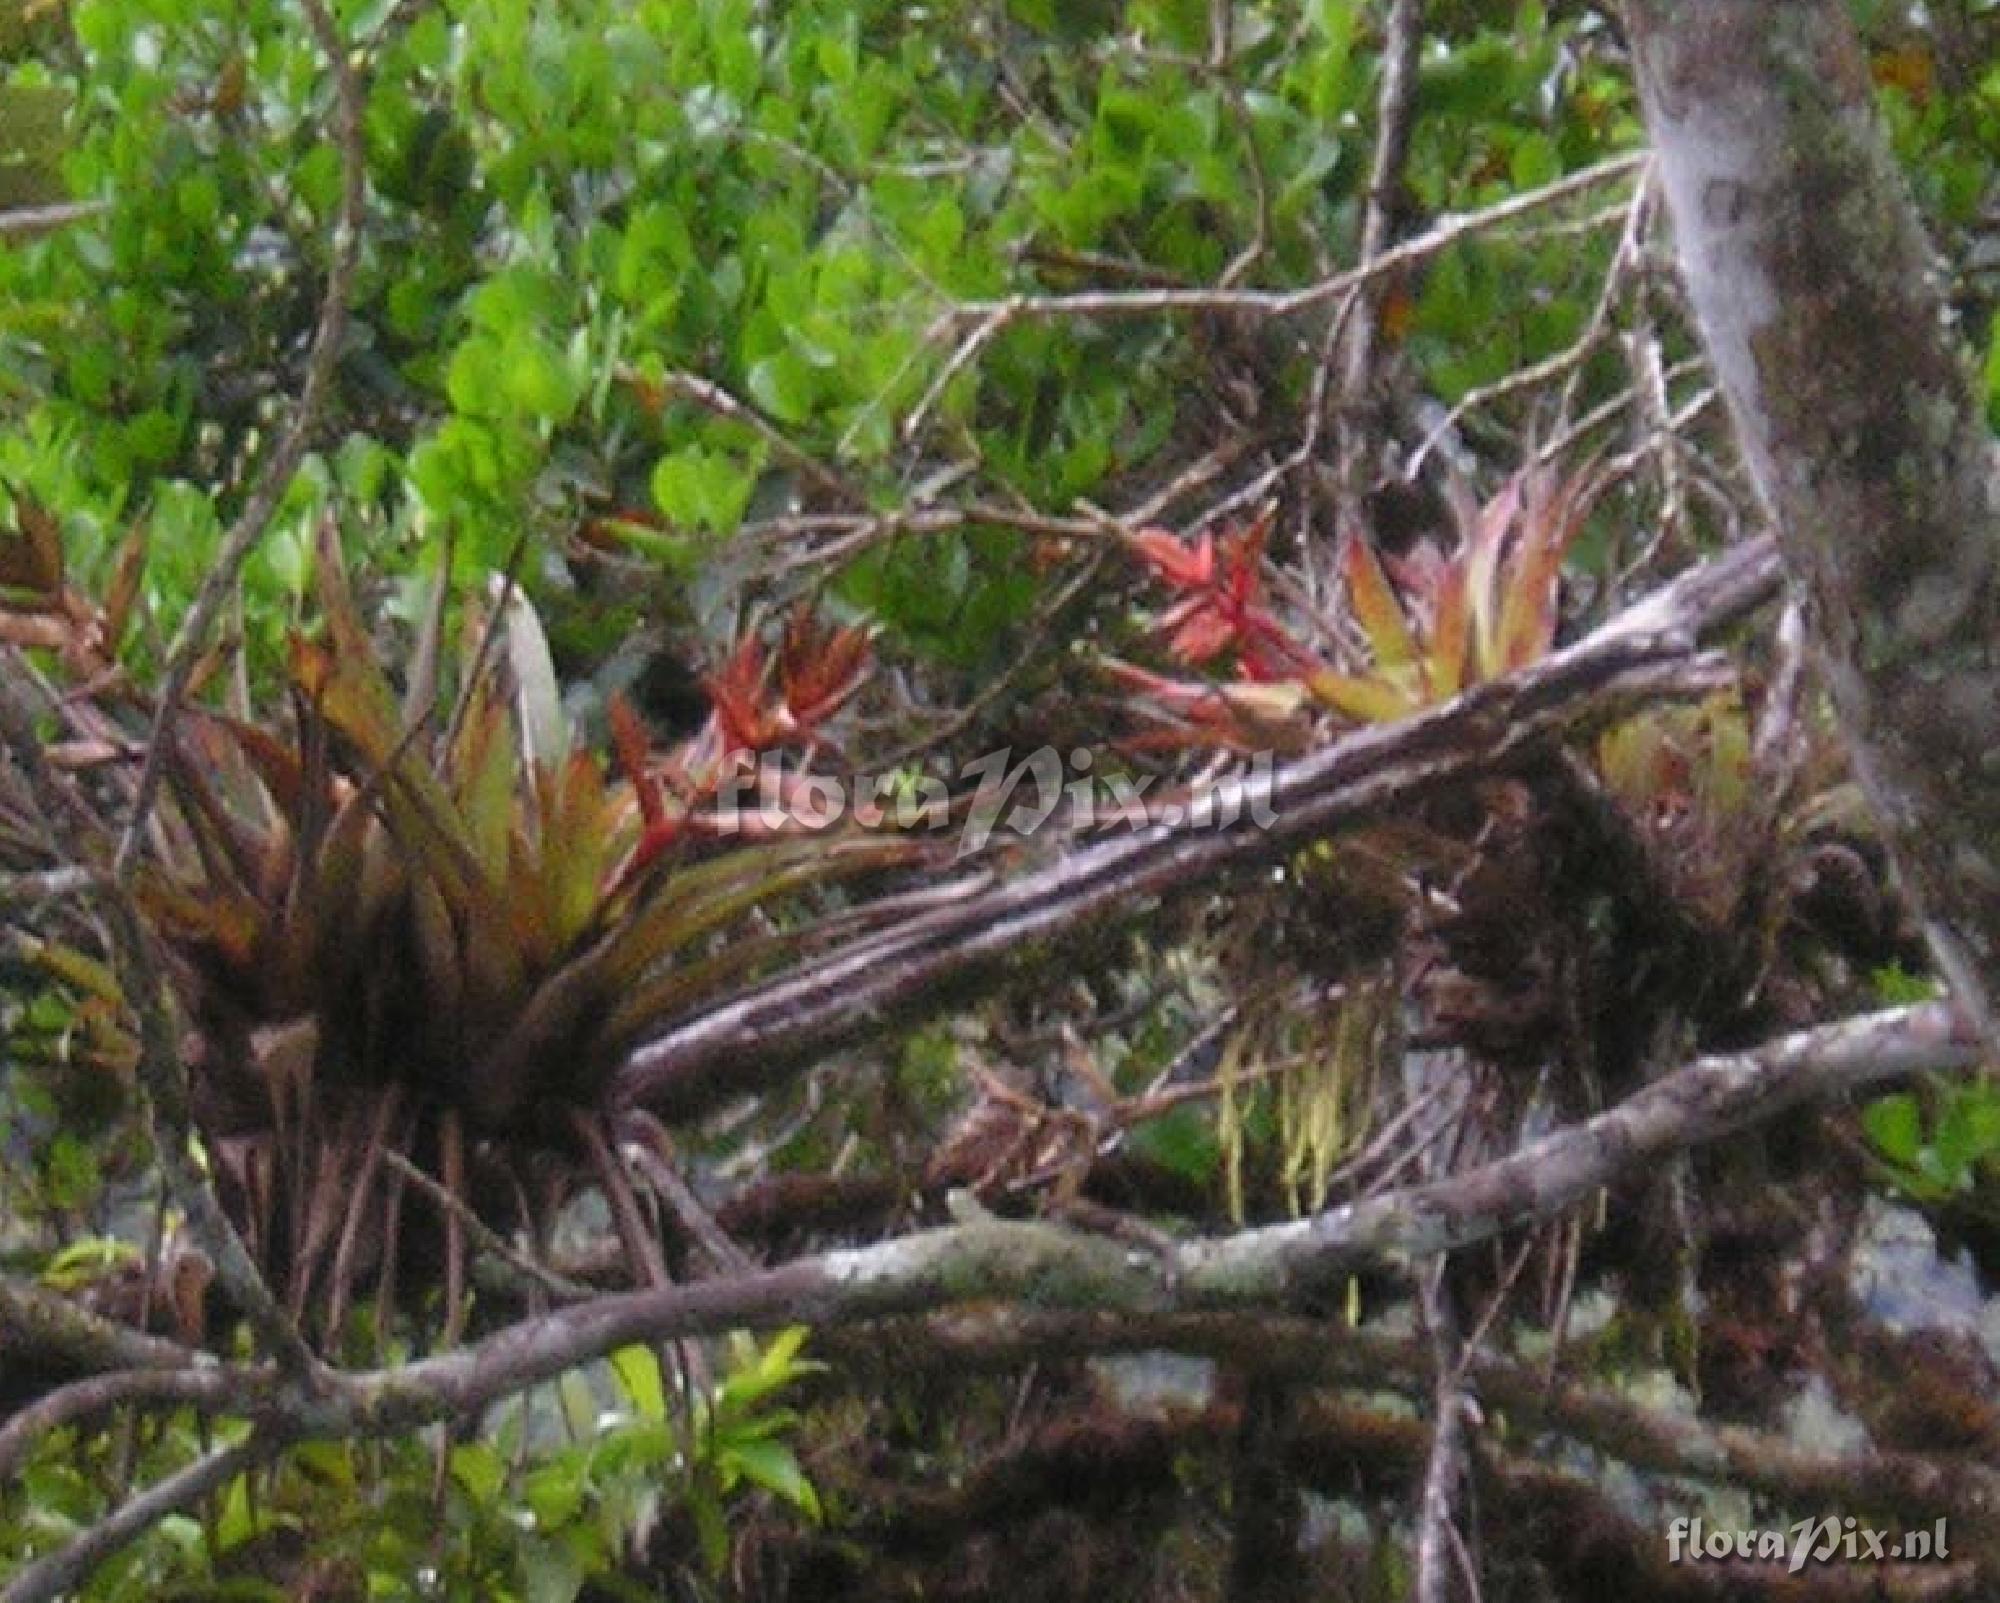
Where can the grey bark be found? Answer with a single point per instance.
(1825, 318)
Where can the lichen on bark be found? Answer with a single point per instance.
(1822, 308)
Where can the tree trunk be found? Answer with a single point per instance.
(1825, 319)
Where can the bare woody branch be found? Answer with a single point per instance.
(192, 637)
(753, 1040)
(1828, 327)
(1047, 1267)
(38, 1323)
(1395, 120)
(1281, 303)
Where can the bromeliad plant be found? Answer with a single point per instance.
(432, 929)
(1422, 627)
(1554, 917)
(1409, 633)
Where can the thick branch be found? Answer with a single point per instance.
(1713, 1097)
(1045, 1267)
(1909, 1485)
(100, 1394)
(44, 1325)
(1826, 321)
(748, 1043)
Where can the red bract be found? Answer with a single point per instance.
(659, 828)
(755, 707)
(1221, 606)
(1199, 629)
(1184, 566)
(743, 719)
(819, 669)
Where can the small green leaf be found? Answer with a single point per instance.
(638, 1372)
(782, 384)
(775, 1467)
(1895, 1125)
(555, 1491)
(550, 1572)
(478, 1467)
(1968, 1131)
(1535, 162)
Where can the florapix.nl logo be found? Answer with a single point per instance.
(994, 794)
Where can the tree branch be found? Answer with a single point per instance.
(1909, 1485)
(750, 1042)
(64, 1570)
(988, 318)
(1395, 118)
(1046, 1267)
(1826, 322)
(37, 1323)
(258, 510)
(1710, 1098)
(82, 1400)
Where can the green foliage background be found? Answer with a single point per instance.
(784, 200)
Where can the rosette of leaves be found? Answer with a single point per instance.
(1406, 633)
(429, 930)
(1418, 629)
(1563, 914)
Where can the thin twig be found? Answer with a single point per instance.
(26, 222)
(649, 1149)
(64, 1570)
(484, 1236)
(714, 398)
(1447, 231)
(1395, 117)
(192, 636)
(1567, 363)
(1447, 1469)
(1640, 209)
(1046, 612)
(960, 359)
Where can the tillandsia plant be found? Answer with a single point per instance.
(1412, 631)
(1558, 915)
(1422, 627)
(423, 930)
